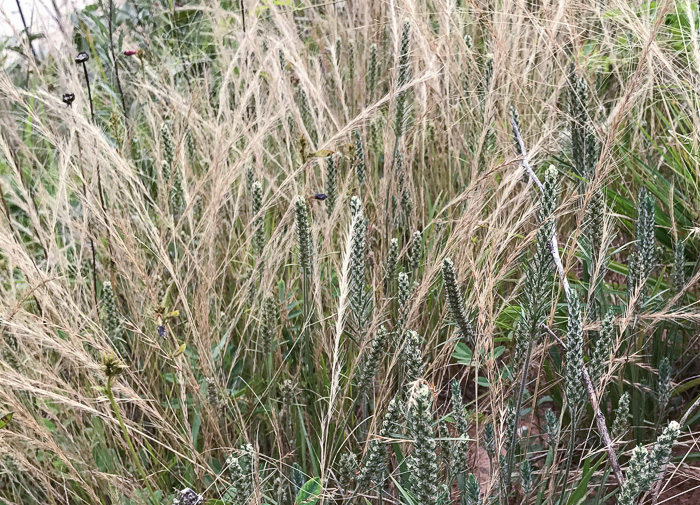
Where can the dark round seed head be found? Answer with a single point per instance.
(68, 98)
(82, 57)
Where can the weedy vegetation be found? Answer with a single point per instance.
(421, 252)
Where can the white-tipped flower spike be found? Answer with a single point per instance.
(454, 299)
(167, 146)
(249, 178)
(634, 477)
(642, 260)
(402, 79)
(575, 389)
(459, 454)
(404, 294)
(346, 469)
(189, 145)
(110, 317)
(415, 253)
(422, 463)
(392, 262)
(338, 51)
(372, 71)
(306, 116)
(663, 392)
(374, 466)
(188, 497)
(177, 194)
(331, 184)
(241, 474)
(472, 494)
(644, 467)
(602, 350)
(489, 442)
(412, 357)
(357, 260)
(593, 227)
(584, 148)
(268, 324)
(259, 218)
(303, 234)
(526, 477)
(622, 414)
(359, 158)
(552, 427)
(370, 365)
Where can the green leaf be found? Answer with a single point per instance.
(579, 493)
(309, 492)
(6, 419)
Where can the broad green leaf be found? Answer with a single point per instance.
(309, 493)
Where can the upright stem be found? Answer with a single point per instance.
(87, 83)
(26, 30)
(125, 432)
(554, 251)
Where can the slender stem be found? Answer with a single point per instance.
(240, 3)
(554, 250)
(569, 457)
(26, 29)
(519, 401)
(87, 83)
(125, 432)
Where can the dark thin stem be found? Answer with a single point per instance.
(240, 2)
(26, 30)
(87, 83)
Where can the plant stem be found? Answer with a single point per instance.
(125, 432)
(554, 250)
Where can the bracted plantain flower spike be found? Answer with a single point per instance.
(268, 324)
(373, 70)
(622, 414)
(415, 253)
(304, 239)
(663, 391)
(370, 365)
(602, 349)
(259, 218)
(167, 147)
(331, 184)
(422, 463)
(412, 357)
(359, 158)
(357, 260)
(377, 454)
(552, 427)
(575, 389)
(402, 79)
(454, 299)
(392, 262)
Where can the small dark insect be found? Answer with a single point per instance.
(318, 196)
(68, 98)
(161, 331)
(82, 57)
(130, 52)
